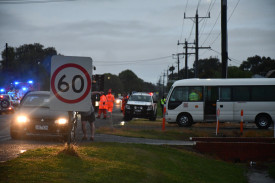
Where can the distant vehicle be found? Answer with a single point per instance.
(197, 100)
(141, 105)
(6, 104)
(118, 100)
(34, 117)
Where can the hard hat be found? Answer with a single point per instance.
(110, 91)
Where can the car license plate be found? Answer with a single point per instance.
(41, 127)
(137, 110)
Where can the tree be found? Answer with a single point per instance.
(209, 68)
(112, 82)
(29, 61)
(130, 81)
(258, 65)
(235, 72)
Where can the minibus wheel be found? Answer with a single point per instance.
(184, 120)
(263, 121)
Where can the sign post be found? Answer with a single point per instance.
(71, 84)
(218, 123)
(241, 125)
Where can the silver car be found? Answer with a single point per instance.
(6, 104)
(34, 117)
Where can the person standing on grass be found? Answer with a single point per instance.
(89, 117)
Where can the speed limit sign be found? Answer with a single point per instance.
(71, 83)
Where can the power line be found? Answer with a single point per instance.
(233, 11)
(205, 21)
(212, 28)
(227, 22)
(183, 21)
(191, 31)
(133, 61)
(230, 58)
(199, 2)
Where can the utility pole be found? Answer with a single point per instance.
(186, 55)
(178, 62)
(7, 56)
(186, 58)
(224, 37)
(167, 75)
(163, 83)
(178, 67)
(196, 20)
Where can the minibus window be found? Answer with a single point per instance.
(241, 93)
(225, 94)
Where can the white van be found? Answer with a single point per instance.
(197, 100)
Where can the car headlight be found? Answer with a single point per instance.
(22, 119)
(149, 108)
(61, 121)
(127, 107)
(96, 103)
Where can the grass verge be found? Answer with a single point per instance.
(115, 162)
(147, 129)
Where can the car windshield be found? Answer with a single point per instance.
(36, 101)
(142, 98)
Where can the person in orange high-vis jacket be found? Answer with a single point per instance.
(102, 106)
(110, 102)
(124, 101)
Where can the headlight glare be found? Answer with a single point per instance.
(22, 119)
(61, 121)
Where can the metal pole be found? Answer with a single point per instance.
(224, 37)
(186, 55)
(197, 45)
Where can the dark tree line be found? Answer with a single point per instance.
(211, 68)
(32, 61)
(29, 61)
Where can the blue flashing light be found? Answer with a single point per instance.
(2, 90)
(30, 82)
(16, 83)
(24, 89)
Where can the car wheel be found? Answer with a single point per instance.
(184, 120)
(263, 121)
(5, 104)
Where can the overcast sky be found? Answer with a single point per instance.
(140, 35)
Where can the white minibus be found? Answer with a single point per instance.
(197, 100)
